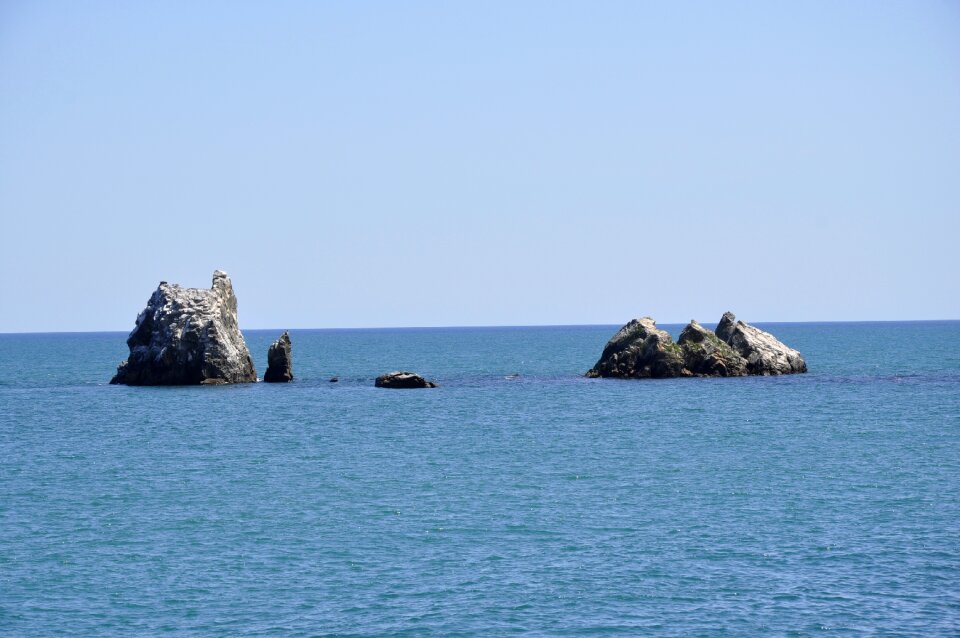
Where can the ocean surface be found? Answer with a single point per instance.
(542, 505)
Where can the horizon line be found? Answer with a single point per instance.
(461, 327)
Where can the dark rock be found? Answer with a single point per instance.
(403, 381)
(188, 336)
(640, 350)
(725, 326)
(279, 361)
(764, 354)
(704, 354)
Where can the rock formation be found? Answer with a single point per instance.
(641, 350)
(705, 354)
(188, 336)
(279, 361)
(763, 352)
(403, 381)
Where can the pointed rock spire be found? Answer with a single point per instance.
(280, 360)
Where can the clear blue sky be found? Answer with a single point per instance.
(452, 163)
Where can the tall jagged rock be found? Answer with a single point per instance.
(641, 350)
(279, 361)
(764, 353)
(188, 336)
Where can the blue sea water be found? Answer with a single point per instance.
(542, 505)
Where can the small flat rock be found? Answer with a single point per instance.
(403, 381)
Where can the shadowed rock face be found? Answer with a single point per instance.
(188, 336)
(279, 361)
(641, 350)
(403, 381)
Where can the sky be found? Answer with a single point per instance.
(368, 164)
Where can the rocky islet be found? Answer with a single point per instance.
(640, 350)
(191, 336)
(188, 336)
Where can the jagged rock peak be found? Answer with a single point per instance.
(279, 360)
(704, 354)
(403, 381)
(764, 353)
(188, 336)
(640, 350)
(725, 326)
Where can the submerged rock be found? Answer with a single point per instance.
(641, 350)
(188, 336)
(763, 352)
(403, 381)
(279, 360)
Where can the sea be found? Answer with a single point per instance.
(517, 499)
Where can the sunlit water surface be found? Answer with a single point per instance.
(542, 505)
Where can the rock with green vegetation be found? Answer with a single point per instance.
(764, 353)
(704, 354)
(640, 350)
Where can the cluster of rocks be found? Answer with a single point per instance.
(641, 350)
(190, 336)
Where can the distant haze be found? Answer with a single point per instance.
(500, 163)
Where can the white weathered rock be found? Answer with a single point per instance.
(765, 354)
(188, 336)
